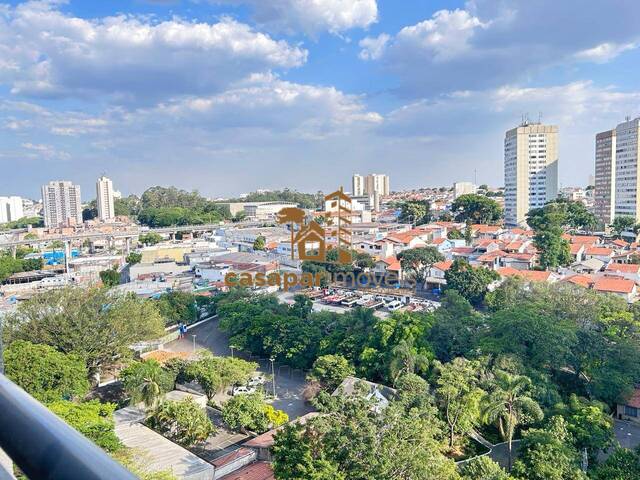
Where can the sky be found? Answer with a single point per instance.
(230, 96)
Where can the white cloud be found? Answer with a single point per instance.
(373, 47)
(44, 52)
(604, 52)
(45, 151)
(491, 43)
(311, 16)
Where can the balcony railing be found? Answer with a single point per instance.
(44, 446)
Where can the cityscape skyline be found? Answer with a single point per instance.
(309, 92)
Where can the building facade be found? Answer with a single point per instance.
(530, 170)
(61, 203)
(463, 188)
(627, 197)
(10, 209)
(605, 193)
(357, 185)
(105, 199)
(376, 183)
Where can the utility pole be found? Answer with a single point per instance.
(273, 377)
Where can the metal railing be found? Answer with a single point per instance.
(43, 446)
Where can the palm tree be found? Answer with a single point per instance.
(145, 385)
(291, 215)
(405, 359)
(510, 405)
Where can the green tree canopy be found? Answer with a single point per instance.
(177, 306)
(248, 413)
(472, 283)
(97, 325)
(133, 258)
(416, 212)
(477, 208)
(184, 422)
(260, 243)
(45, 373)
(330, 371)
(418, 261)
(147, 382)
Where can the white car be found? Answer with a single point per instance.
(243, 391)
(256, 381)
(393, 306)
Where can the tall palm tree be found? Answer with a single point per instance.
(146, 387)
(510, 405)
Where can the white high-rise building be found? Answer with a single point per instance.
(463, 188)
(105, 199)
(376, 183)
(61, 202)
(357, 185)
(10, 209)
(530, 170)
(605, 184)
(627, 195)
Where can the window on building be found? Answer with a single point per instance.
(630, 411)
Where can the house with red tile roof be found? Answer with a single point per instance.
(435, 277)
(630, 409)
(486, 231)
(584, 239)
(582, 280)
(253, 471)
(630, 271)
(521, 261)
(388, 265)
(577, 251)
(622, 287)
(528, 275)
(603, 254)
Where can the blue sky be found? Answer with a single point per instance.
(227, 96)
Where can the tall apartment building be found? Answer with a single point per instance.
(105, 199)
(61, 202)
(530, 169)
(357, 185)
(605, 185)
(376, 183)
(627, 184)
(10, 209)
(463, 188)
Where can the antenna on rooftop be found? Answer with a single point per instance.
(539, 117)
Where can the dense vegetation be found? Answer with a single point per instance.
(476, 209)
(541, 362)
(10, 265)
(304, 200)
(23, 222)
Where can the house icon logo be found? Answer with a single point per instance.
(314, 239)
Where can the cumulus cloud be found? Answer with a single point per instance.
(491, 43)
(373, 47)
(311, 16)
(46, 53)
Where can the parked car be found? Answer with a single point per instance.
(243, 391)
(257, 381)
(393, 306)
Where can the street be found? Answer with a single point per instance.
(289, 384)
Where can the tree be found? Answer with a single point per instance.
(92, 419)
(146, 382)
(483, 468)
(44, 373)
(472, 283)
(176, 306)
(150, 238)
(294, 460)
(96, 324)
(476, 208)
(622, 223)
(217, 373)
(184, 422)
(458, 396)
(133, 258)
(416, 212)
(330, 371)
(548, 454)
(418, 261)
(455, 234)
(250, 412)
(590, 427)
(509, 405)
(554, 250)
(260, 243)
(110, 277)
(622, 464)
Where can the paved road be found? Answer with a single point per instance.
(289, 384)
(627, 434)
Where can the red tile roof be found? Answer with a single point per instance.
(486, 228)
(439, 241)
(623, 268)
(614, 285)
(600, 251)
(444, 266)
(585, 281)
(232, 457)
(590, 239)
(620, 243)
(575, 248)
(491, 256)
(634, 399)
(253, 471)
(392, 263)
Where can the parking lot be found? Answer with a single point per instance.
(341, 300)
